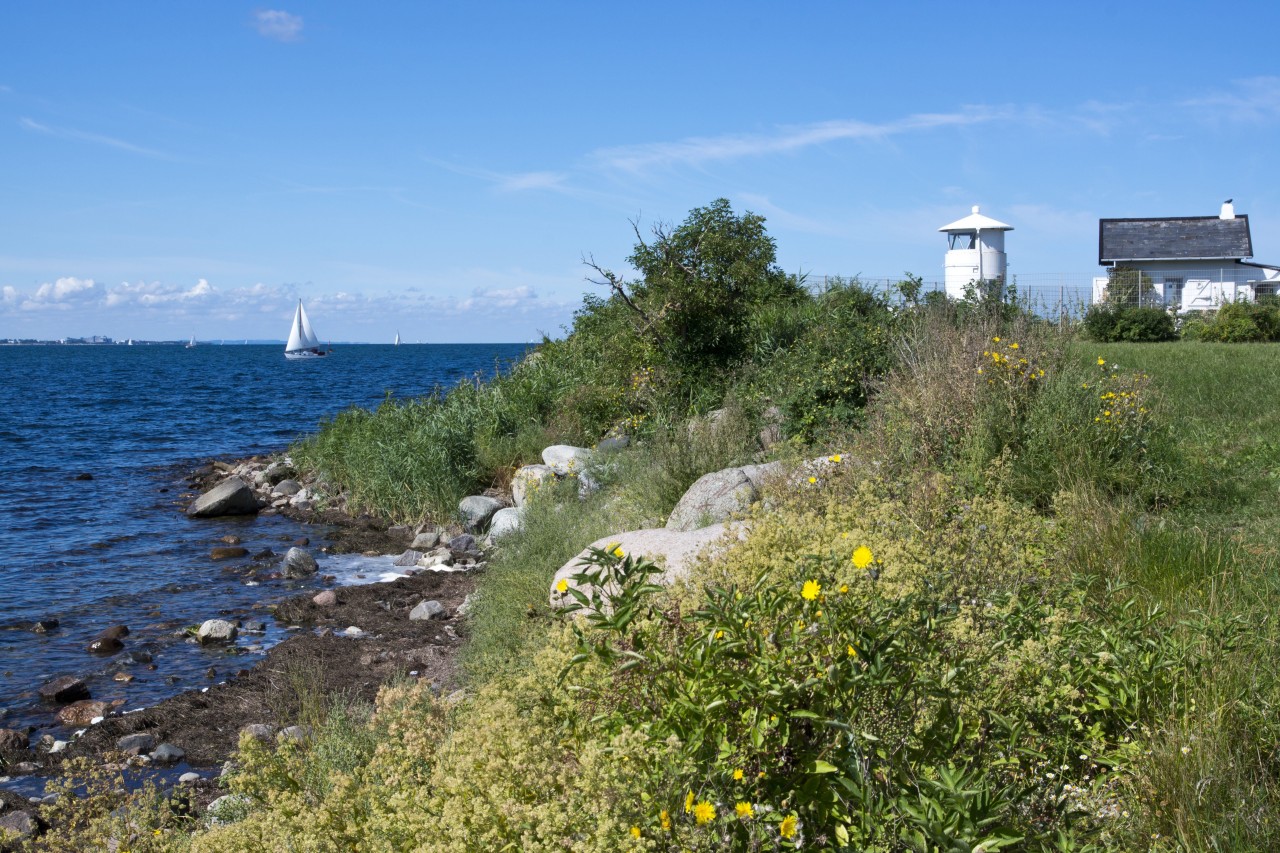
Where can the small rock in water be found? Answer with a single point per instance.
(83, 712)
(230, 540)
(189, 778)
(140, 656)
(228, 552)
(12, 739)
(230, 497)
(355, 632)
(298, 563)
(123, 677)
(44, 626)
(327, 598)
(67, 688)
(216, 631)
(254, 626)
(301, 542)
(83, 477)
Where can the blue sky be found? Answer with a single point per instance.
(441, 169)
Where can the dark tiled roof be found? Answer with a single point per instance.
(1187, 237)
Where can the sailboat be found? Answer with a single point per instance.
(303, 342)
(397, 339)
(191, 343)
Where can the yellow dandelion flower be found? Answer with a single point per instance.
(737, 775)
(837, 458)
(688, 802)
(811, 590)
(844, 587)
(1013, 345)
(562, 586)
(704, 812)
(862, 557)
(618, 552)
(635, 832)
(760, 775)
(853, 653)
(665, 819)
(996, 339)
(979, 369)
(787, 829)
(719, 635)
(813, 480)
(1101, 361)
(745, 811)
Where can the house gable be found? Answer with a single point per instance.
(1170, 239)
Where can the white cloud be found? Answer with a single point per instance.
(1252, 100)
(278, 24)
(9, 295)
(532, 181)
(502, 298)
(157, 293)
(96, 138)
(62, 294)
(695, 151)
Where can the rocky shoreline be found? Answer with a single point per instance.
(343, 641)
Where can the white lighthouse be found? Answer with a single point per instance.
(975, 252)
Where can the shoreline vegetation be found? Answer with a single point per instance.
(1014, 589)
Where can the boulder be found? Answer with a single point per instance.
(354, 632)
(136, 744)
(712, 499)
(286, 488)
(613, 442)
(166, 754)
(109, 641)
(12, 739)
(277, 472)
(408, 558)
(565, 459)
(83, 712)
(504, 522)
(673, 550)
(327, 598)
(298, 563)
(426, 611)
(761, 474)
(475, 511)
(527, 480)
(261, 732)
(66, 688)
(228, 552)
(771, 432)
(44, 626)
(465, 543)
(232, 496)
(189, 778)
(253, 626)
(427, 539)
(294, 734)
(216, 631)
(19, 823)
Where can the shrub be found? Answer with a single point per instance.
(1108, 323)
(1237, 322)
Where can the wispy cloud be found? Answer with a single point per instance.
(1252, 101)
(95, 138)
(696, 151)
(278, 24)
(510, 182)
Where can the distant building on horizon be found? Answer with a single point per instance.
(975, 253)
(1186, 263)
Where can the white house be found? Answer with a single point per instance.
(1194, 263)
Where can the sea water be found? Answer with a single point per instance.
(117, 548)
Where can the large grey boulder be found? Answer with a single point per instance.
(20, 824)
(136, 744)
(12, 739)
(712, 499)
(216, 631)
(66, 688)
(674, 550)
(528, 480)
(565, 459)
(426, 611)
(427, 539)
(298, 563)
(476, 510)
(166, 754)
(504, 522)
(232, 496)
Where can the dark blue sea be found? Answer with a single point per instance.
(117, 548)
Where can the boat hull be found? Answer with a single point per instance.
(304, 354)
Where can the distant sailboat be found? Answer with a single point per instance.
(191, 343)
(397, 338)
(303, 342)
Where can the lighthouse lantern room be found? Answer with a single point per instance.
(975, 252)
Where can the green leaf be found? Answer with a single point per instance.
(820, 766)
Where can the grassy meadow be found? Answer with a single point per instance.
(1023, 597)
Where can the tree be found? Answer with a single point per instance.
(700, 284)
(1129, 287)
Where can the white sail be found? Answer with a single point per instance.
(397, 339)
(303, 342)
(296, 340)
(308, 333)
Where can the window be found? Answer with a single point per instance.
(963, 241)
(1173, 291)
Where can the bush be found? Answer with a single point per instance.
(1237, 322)
(1108, 323)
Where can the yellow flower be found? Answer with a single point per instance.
(813, 480)
(811, 590)
(635, 832)
(745, 811)
(719, 635)
(704, 812)
(618, 552)
(836, 458)
(787, 829)
(996, 339)
(688, 802)
(665, 820)
(853, 653)
(737, 775)
(844, 587)
(562, 586)
(1101, 361)
(862, 557)
(818, 615)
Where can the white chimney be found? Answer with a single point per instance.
(1228, 210)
